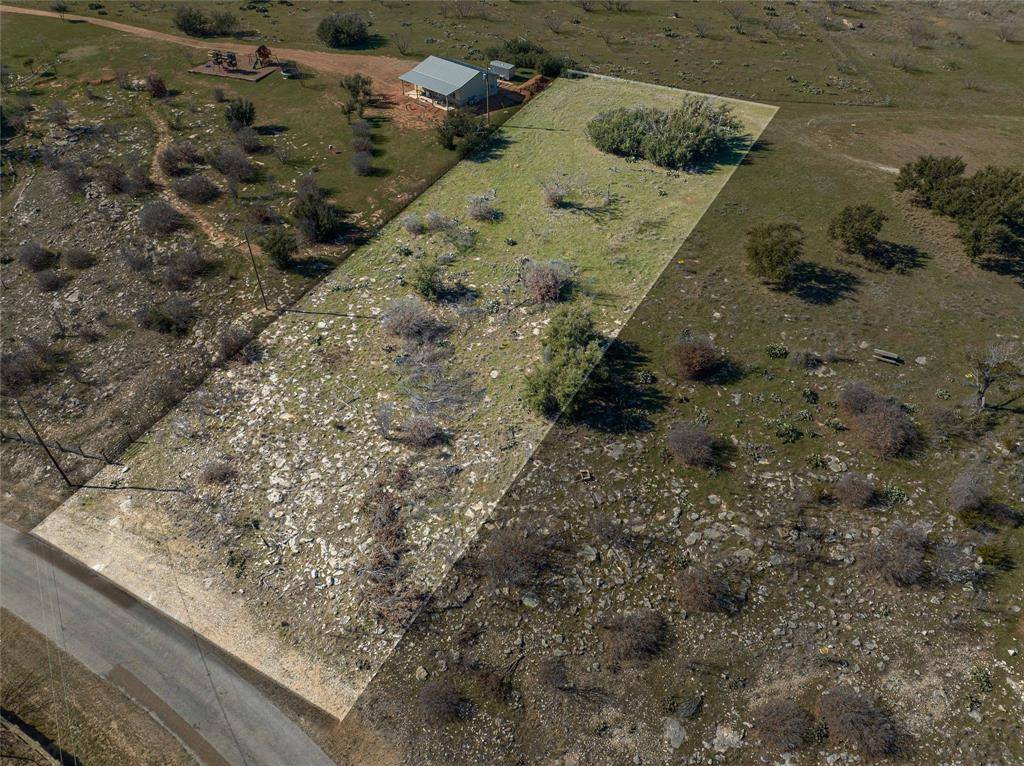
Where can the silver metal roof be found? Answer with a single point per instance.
(441, 75)
(503, 64)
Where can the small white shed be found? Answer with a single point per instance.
(503, 69)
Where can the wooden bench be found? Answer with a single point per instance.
(886, 356)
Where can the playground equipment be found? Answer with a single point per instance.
(252, 66)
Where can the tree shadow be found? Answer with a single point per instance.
(759, 146)
(736, 150)
(896, 256)
(821, 285)
(271, 130)
(311, 267)
(491, 149)
(1008, 265)
(598, 213)
(458, 293)
(625, 402)
(371, 42)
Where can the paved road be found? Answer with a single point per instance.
(179, 678)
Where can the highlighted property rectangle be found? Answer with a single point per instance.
(281, 565)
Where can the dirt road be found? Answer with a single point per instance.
(179, 678)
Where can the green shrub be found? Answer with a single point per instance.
(573, 370)
(194, 22)
(521, 52)
(280, 246)
(693, 134)
(318, 218)
(773, 251)
(342, 30)
(426, 278)
(240, 113)
(928, 175)
(988, 207)
(857, 227)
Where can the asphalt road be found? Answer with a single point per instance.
(180, 678)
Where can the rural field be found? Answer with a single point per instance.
(567, 450)
(282, 462)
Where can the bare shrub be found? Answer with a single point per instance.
(362, 144)
(139, 181)
(436, 221)
(635, 636)
(179, 158)
(856, 398)
(547, 281)
(198, 189)
(35, 257)
(173, 316)
(421, 431)
(696, 357)
(410, 318)
(1007, 33)
(854, 491)
(361, 163)
(218, 472)
(136, 260)
(361, 127)
(27, 365)
(441, 701)
(690, 443)
(886, 430)
(73, 176)
(156, 86)
(113, 178)
(554, 193)
(57, 113)
(896, 556)
(854, 718)
(413, 224)
(79, 258)
(231, 342)
(701, 590)
(232, 162)
(481, 208)
(880, 423)
(158, 218)
(969, 490)
(263, 214)
(183, 268)
(249, 140)
(783, 725)
(48, 281)
(219, 95)
(515, 557)
(805, 360)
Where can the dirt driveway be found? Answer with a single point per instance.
(383, 69)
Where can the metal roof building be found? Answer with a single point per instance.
(448, 83)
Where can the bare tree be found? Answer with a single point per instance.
(1007, 33)
(1000, 363)
(701, 28)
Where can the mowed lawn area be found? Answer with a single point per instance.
(277, 549)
